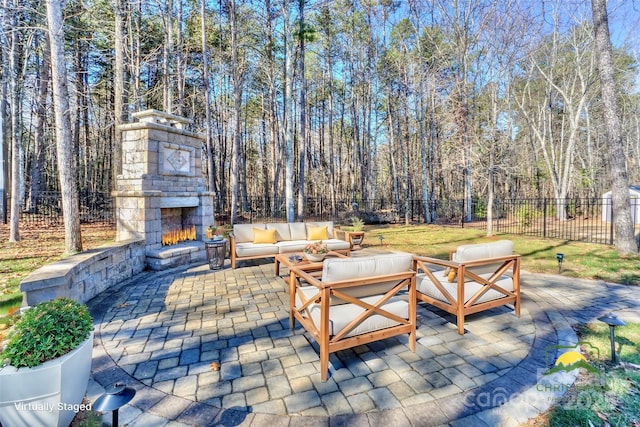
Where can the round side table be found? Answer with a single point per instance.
(216, 253)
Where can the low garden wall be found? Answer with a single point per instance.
(84, 275)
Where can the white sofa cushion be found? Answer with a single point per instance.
(286, 246)
(299, 245)
(298, 230)
(283, 231)
(336, 244)
(244, 232)
(250, 249)
(424, 286)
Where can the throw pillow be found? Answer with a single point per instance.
(451, 274)
(317, 233)
(264, 236)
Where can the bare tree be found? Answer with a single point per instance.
(288, 113)
(623, 224)
(211, 166)
(39, 141)
(119, 81)
(16, 75)
(237, 78)
(303, 118)
(67, 160)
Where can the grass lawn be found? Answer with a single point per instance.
(584, 260)
(34, 249)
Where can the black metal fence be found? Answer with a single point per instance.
(44, 209)
(577, 219)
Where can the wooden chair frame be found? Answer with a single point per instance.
(457, 305)
(310, 275)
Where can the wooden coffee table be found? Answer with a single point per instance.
(297, 258)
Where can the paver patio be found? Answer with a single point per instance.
(161, 331)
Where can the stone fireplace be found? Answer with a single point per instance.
(161, 190)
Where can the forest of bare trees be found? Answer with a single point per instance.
(344, 100)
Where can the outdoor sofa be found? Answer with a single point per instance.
(477, 277)
(347, 302)
(251, 241)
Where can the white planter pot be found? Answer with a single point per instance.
(49, 394)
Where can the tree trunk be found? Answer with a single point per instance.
(17, 152)
(236, 76)
(623, 224)
(67, 159)
(119, 114)
(211, 165)
(288, 117)
(39, 143)
(167, 58)
(303, 119)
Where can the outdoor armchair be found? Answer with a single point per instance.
(353, 301)
(476, 277)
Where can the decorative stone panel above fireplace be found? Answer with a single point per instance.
(161, 188)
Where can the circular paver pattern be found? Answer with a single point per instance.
(222, 338)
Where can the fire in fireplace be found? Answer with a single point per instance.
(176, 236)
(177, 225)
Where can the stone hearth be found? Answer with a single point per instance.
(161, 188)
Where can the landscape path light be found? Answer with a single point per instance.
(613, 321)
(114, 398)
(560, 258)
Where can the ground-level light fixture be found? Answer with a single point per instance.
(560, 258)
(613, 321)
(114, 398)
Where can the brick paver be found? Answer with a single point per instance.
(160, 332)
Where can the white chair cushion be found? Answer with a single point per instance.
(424, 286)
(477, 251)
(340, 269)
(483, 250)
(341, 315)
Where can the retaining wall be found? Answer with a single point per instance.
(84, 275)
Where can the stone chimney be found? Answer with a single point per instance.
(162, 188)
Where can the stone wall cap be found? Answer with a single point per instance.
(156, 116)
(159, 126)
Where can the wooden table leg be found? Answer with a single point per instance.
(292, 299)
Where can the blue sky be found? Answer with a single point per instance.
(624, 23)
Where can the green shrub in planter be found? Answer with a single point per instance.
(47, 331)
